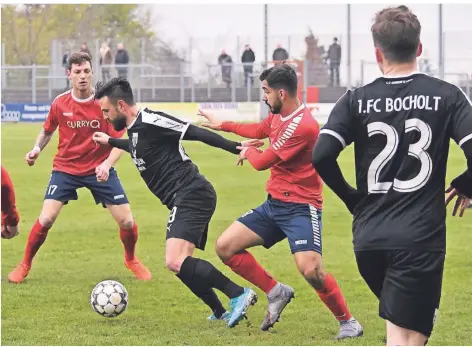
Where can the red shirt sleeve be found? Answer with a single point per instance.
(252, 130)
(262, 160)
(286, 147)
(51, 121)
(10, 214)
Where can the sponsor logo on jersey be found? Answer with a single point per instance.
(134, 139)
(76, 124)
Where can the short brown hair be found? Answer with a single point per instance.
(396, 31)
(78, 58)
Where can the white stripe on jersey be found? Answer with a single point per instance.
(288, 132)
(162, 121)
(62, 94)
(335, 134)
(465, 139)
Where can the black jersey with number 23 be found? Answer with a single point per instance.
(401, 128)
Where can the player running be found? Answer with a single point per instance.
(80, 163)
(156, 149)
(401, 125)
(10, 215)
(294, 203)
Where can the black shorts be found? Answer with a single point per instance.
(407, 283)
(191, 212)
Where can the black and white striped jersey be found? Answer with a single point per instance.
(401, 129)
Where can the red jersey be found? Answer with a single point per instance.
(77, 120)
(10, 214)
(292, 138)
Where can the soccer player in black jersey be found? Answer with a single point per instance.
(401, 125)
(154, 142)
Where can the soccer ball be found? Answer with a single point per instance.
(109, 298)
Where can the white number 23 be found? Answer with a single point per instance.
(416, 150)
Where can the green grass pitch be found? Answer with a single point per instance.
(52, 306)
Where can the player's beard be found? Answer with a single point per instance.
(119, 123)
(276, 108)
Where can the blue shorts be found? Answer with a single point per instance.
(63, 187)
(276, 220)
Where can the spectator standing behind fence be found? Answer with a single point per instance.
(65, 62)
(226, 67)
(248, 59)
(122, 61)
(106, 58)
(279, 55)
(84, 48)
(334, 56)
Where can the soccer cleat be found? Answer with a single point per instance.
(140, 271)
(239, 306)
(277, 302)
(349, 328)
(19, 273)
(225, 317)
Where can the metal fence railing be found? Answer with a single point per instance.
(178, 82)
(226, 82)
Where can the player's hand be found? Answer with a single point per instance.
(32, 155)
(100, 138)
(252, 143)
(103, 171)
(462, 202)
(10, 231)
(212, 122)
(242, 154)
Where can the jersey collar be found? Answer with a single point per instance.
(404, 76)
(134, 121)
(81, 100)
(301, 107)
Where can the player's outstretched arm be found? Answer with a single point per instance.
(461, 132)
(249, 130)
(41, 141)
(119, 143)
(102, 171)
(461, 186)
(259, 160)
(324, 160)
(210, 138)
(105, 139)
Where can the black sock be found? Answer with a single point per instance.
(202, 291)
(209, 274)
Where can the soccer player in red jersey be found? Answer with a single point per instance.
(10, 216)
(293, 207)
(79, 163)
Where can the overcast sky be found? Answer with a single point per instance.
(214, 27)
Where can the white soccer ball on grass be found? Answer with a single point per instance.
(109, 298)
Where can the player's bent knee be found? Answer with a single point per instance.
(313, 273)
(47, 221)
(223, 249)
(125, 223)
(173, 265)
